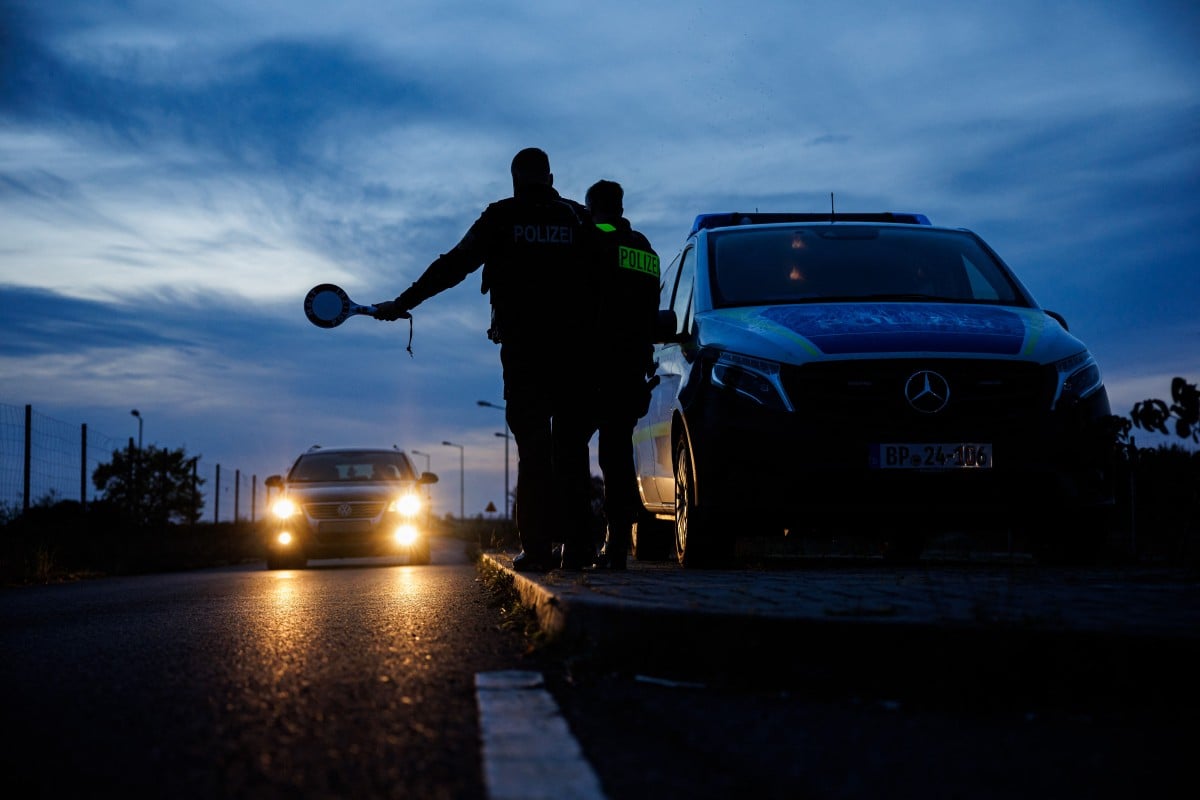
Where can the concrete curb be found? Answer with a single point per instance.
(1133, 633)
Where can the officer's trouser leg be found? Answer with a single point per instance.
(572, 472)
(528, 412)
(616, 545)
(615, 456)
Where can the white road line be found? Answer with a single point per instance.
(529, 752)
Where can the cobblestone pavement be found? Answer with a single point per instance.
(1127, 601)
(1127, 619)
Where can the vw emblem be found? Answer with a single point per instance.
(344, 510)
(927, 391)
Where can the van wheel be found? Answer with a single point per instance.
(701, 540)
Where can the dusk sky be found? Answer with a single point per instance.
(174, 178)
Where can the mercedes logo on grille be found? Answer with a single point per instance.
(344, 510)
(927, 391)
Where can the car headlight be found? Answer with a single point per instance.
(753, 378)
(1078, 378)
(283, 509)
(406, 535)
(409, 505)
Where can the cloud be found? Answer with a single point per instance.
(173, 179)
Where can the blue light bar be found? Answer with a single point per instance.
(730, 218)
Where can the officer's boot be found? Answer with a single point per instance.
(616, 546)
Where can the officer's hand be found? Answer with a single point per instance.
(390, 310)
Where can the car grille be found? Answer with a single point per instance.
(871, 392)
(339, 526)
(338, 511)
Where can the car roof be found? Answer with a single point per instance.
(316, 448)
(726, 219)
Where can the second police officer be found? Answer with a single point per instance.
(629, 302)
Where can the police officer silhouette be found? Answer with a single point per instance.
(540, 257)
(625, 357)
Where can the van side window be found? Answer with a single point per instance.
(666, 286)
(681, 303)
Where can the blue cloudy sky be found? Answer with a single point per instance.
(175, 176)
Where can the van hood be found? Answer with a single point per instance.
(815, 331)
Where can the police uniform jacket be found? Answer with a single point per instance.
(540, 258)
(629, 299)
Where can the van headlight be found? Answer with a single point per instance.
(1078, 378)
(753, 378)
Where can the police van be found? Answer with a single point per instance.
(836, 373)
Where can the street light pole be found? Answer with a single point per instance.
(137, 465)
(426, 455)
(462, 477)
(428, 491)
(137, 414)
(507, 497)
(506, 437)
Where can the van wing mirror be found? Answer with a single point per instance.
(1057, 317)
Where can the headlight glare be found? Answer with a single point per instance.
(284, 508)
(406, 535)
(408, 505)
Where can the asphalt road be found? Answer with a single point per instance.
(350, 679)
(369, 678)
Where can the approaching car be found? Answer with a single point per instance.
(862, 372)
(348, 502)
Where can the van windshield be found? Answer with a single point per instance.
(822, 263)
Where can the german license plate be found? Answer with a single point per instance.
(956, 455)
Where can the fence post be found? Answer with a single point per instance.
(1133, 469)
(132, 500)
(83, 467)
(28, 453)
(195, 500)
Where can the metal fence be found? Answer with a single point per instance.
(43, 459)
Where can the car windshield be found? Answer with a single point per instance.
(326, 467)
(777, 265)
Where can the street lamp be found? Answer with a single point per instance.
(507, 499)
(506, 437)
(462, 476)
(426, 455)
(139, 419)
(428, 491)
(137, 464)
